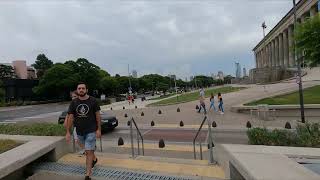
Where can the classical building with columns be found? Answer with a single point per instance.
(274, 55)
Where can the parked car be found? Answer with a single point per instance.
(108, 122)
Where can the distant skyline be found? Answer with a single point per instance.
(182, 37)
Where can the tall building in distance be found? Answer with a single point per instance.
(172, 76)
(238, 70)
(21, 70)
(191, 78)
(220, 75)
(245, 72)
(134, 74)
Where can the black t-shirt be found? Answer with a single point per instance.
(84, 112)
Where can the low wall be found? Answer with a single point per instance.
(253, 162)
(267, 75)
(34, 147)
(311, 110)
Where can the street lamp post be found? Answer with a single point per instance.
(264, 26)
(299, 66)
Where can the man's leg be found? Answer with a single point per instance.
(90, 144)
(89, 160)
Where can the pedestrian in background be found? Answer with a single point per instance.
(220, 106)
(212, 103)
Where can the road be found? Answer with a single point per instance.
(38, 113)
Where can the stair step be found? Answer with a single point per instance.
(168, 147)
(63, 171)
(179, 167)
(153, 158)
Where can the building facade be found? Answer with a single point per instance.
(21, 70)
(220, 75)
(134, 74)
(238, 70)
(274, 55)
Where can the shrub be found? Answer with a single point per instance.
(7, 144)
(39, 129)
(306, 135)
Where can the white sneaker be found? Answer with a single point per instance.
(82, 152)
(222, 113)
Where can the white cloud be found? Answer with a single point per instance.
(165, 37)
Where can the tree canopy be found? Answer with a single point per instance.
(2, 92)
(42, 64)
(6, 71)
(61, 78)
(307, 36)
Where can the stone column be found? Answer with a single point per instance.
(272, 53)
(281, 63)
(277, 51)
(264, 56)
(285, 48)
(291, 51)
(269, 54)
(258, 59)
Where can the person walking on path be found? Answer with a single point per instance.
(68, 120)
(212, 103)
(202, 101)
(221, 110)
(85, 112)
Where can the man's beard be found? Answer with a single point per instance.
(82, 95)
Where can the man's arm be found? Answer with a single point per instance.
(98, 119)
(69, 122)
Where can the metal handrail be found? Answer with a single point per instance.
(132, 121)
(195, 138)
(210, 139)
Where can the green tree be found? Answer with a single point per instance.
(227, 79)
(163, 87)
(89, 73)
(307, 36)
(57, 82)
(109, 85)
(6, 71)
(2, 92)
(42, 64)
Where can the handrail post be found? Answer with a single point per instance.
(142, 147)
(194, 139)
(138, 134)
(194, 149)
(131, 136)
(201, 151)
(210, 141)
(138, 141)
(100, 139)
(73, 140)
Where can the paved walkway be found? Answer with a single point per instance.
(229, 120)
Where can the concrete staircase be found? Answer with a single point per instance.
(122, 166)
(174, 161)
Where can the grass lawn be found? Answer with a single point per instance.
(38, 129)
(311, 96)
(195, 96)
(162, 97)
(6, 145)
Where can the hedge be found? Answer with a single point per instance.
(38, 129)
(306, 135)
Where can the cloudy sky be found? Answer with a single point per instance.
(184, 37)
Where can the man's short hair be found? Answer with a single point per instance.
(82, 83)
